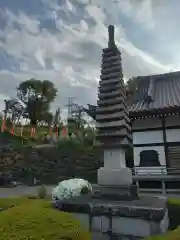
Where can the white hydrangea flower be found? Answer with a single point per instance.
(70, 188)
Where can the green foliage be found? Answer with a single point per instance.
(36, 219)
(85, 190)
(16, 140)
(174, 217)
(37, 96)
(174, 235)
(46, 117)
(174, 209)
(74, 144)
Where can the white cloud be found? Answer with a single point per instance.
(73, 51)
(139, 11)
(69, 5)
(96, 13)
(26, 23)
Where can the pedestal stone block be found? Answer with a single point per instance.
(116, 177)
(134, 219)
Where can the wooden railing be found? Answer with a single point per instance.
(155, 171)
(171, 175)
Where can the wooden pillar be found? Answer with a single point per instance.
(163, 120)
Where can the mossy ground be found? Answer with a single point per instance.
(35, 219)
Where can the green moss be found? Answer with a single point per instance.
(10, 202)
(174, 213)
(173, 235)
(36, 220)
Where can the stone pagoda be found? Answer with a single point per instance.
(114, 207)
(113, 123)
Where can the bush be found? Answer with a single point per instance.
(174, 217)
(85, 190)
(174, 213)
(71, 188)
(42, 192)
(174, 235)
(36, 219)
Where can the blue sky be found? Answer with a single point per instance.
(61, 40)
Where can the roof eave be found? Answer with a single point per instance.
(155, 112)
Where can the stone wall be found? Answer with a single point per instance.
(48, 164)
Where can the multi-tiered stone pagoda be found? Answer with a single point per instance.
(114, 207)
(113, 124)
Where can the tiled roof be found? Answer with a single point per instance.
(162, 91)
(155, 92)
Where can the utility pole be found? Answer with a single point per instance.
(70, 105)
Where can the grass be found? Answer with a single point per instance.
(173, 235)
(35, 219)
(10, 202)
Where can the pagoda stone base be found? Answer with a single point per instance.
(114, 177)
(118, 193)
(126, 219)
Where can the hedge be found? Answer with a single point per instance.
(36, 220)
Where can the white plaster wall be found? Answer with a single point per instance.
(147, 137)
(172, 120)
(146, 123)
(173, 135)
(159, 149)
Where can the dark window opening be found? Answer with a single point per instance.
(149, 158)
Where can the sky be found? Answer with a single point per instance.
(62, 41)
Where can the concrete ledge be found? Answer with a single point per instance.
(138, 218)
(147, 208)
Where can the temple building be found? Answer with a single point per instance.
(154, 113)
(155, 120)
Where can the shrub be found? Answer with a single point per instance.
(173, 235)
(174, 213)
(71, 188)
(85, 190)
(35, 219)
(42, 192)
(174, 217)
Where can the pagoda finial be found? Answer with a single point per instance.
(111, 41)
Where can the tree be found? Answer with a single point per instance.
(132, 86)
(36, 96)
(47, 118)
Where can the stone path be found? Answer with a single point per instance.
(26, 190)
(21, 190)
